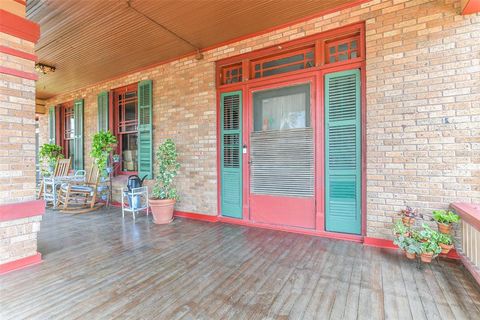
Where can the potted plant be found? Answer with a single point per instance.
(103, 143)
(444, 219)
(445, 242)
(164, 193)
(409, 245)
(49, 154)
(429, 250)
(400, 229)
(408, 216)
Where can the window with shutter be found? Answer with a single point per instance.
(231, 154)
(103, 119)
(145, 143)
(51, 125)
(78, 141)
(343, 152)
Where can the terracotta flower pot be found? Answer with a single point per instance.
(426, 257)
(445, 247)
(162, 210)
(444, 228)
(407, 221)
(410, 256)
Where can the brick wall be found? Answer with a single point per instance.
(17, 125)
(423, 111)
(18, 238)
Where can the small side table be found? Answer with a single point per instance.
(135, 201)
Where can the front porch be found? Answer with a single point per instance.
(99, 265)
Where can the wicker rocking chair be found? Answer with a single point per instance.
(80, 197)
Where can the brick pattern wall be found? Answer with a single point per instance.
(423, 112)
(17, 125)
(18, 238)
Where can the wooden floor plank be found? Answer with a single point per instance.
(100, 266)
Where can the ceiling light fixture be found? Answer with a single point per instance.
(43, 68)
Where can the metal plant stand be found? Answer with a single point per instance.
(135, 201)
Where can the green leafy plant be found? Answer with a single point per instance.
(168, 167)
(408, 244)
(445, 239)
(49, 153)
(400, 229)
(428, 233)
(430, 246)
(445, 216)
(103, 143)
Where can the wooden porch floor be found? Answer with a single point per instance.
(98, 266)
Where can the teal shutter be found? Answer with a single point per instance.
(78, 142)
(102, 119)
(145, 166)
(51, 125)
(231, 154)
(343, 153)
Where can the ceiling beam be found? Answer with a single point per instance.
(470, 6)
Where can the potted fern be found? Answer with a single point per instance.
(103, 144)
(164, 193)
(49, 153)
(444, 219)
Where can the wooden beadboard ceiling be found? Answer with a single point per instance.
(93, 40)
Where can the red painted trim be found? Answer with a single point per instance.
(470, 213)
(196, 216)
(19, 27)
(379, 243)
(474, 271)
(388, 244)
(224, 43)
(471, 6)
(21, 2)
(20, 263)
(18, 73)
(18, 53)
(318, 233)
(20, 210)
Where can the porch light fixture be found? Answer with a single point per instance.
(43, 68)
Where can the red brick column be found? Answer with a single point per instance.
(20, 213)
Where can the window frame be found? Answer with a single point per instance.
(116, 124)
(62, 116)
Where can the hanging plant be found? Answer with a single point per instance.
(103, 144)
(49, 153)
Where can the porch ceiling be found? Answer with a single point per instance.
(91, 41)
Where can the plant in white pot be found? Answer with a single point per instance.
(164, 193)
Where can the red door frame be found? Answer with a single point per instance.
(317, 73)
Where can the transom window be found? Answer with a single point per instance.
(342, 50)
(125, 104)
(316, 51)
(291, 61)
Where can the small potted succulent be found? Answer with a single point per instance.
(445, 242)
(444, 219)
(164, 193)
(408, 216)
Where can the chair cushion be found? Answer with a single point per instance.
(75, 188)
